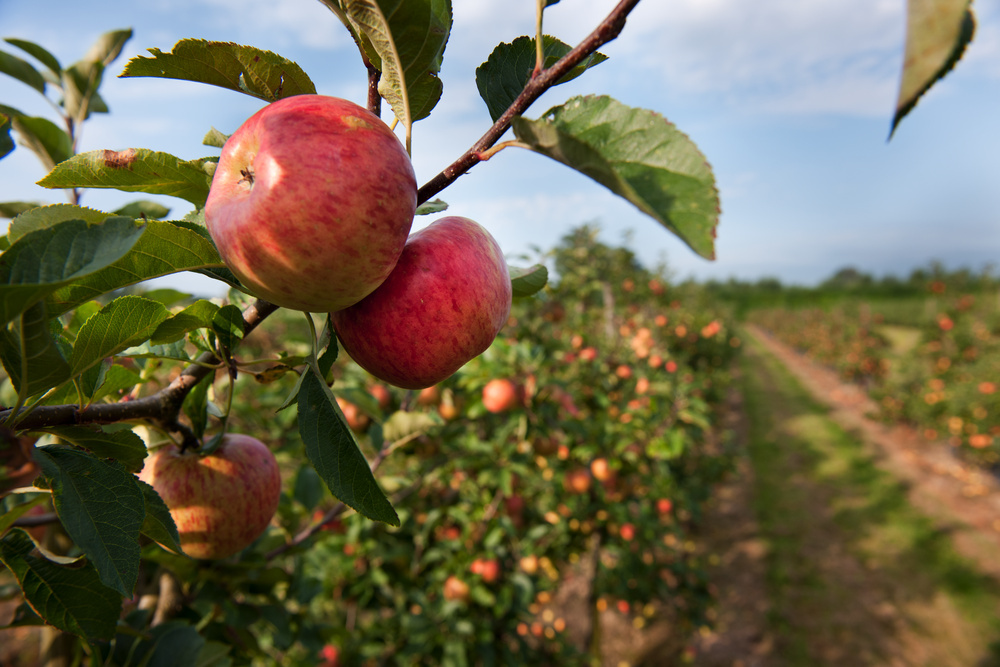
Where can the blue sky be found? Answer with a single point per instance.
(790, 101)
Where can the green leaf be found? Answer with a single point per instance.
(44, 138)
(215, 138)
(528, 281)
(242, 68)
(158, 526)
(12, 209)
(136, 170)
(22, 70)
(334, 453)
(638, 155)
(43, 217)
(405, 41)
(937, 34)
(30, 352)
(8, 518)
(81, 80)
(195, 405)
(429, 207)
(165, 248)
(308, 490)
(69, 598)
(122, 445)
(101, 507)
(228, 324)
(508, 69)
(123, 323)
(47, 259)
(170, 644)
(39, 53)
(6, 143)
(198, 315)
(144, 209)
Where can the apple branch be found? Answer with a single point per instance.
(608, 30)
(163, 406)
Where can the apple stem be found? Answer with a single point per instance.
(608, 30)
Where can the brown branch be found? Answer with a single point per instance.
(608, 30)
(163, 406)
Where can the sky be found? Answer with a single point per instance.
(790, 101)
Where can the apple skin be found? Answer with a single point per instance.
(500, 395)
(326, 211)
(443, 304)
(221, 502)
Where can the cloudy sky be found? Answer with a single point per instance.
(791, 102)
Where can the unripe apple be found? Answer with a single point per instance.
(311, 202)
(500, 395)
(221, 502)
(456, 589)
(443, 304)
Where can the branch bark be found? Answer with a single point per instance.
(608, 30)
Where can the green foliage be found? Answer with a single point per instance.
(638, 155)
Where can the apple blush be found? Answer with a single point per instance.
(312, 202)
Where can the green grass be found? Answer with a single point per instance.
(855, 574)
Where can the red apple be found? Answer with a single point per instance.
(627, 532)
(664, 505)
(311, 202)
(381, 394)
(577, 481)
(487, 568)
(456, 589)
(356, 419)
(221, 502)
(499, 395)
(588, 354)
(601, 470)
(443, 304)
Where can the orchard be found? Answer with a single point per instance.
(383, 446)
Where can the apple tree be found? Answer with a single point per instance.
(101, 377)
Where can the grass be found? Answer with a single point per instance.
(856, 575)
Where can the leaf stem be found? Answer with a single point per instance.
(608, 30)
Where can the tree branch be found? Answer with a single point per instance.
(163, 406)
(608, 30)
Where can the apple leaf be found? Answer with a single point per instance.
(405, 40)
(6, 142)
(100, 506)
(123, 323)
(81, 80)
(30, 353)
(125, 446)
(143, 208)
(158, 526)
(42, 261)
(245, 69)
(136, 170)
(165, 248)
(44, 138)
(198, 315)
(334, 453)
(508, 69)
(638, 155)
(526, 282)
(42, 217)
(8, 518)
(39, 53)
(430, 207)
(72, 599)
(12, 209)
(22, 70)
(229, 326)
(937, 34)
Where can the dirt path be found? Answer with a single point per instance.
(965, 501)
(837, 548)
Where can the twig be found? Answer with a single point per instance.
(608, 30)
(163, 406)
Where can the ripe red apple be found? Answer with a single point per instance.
(443, 304)
(311, 202)
(456, 589)
(577, 481)
(588, 354)
(221, 502)
(487, 568)
(601, 470)
(627, 532)
(356, 419)
(664, 505)
(500, 395)
(381, 394)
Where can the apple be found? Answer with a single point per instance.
(627, 532)
(601, 470)
(429, 396)
(577, 481)
(456, 589)
(311, 202)
(443, 304)
(356, 419)
(500, 395)
(382, 395)
(664, 505)
(220, 502)
(487, 568)
(588, 354)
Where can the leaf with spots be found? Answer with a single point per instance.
(136, 170)
(638, 155)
